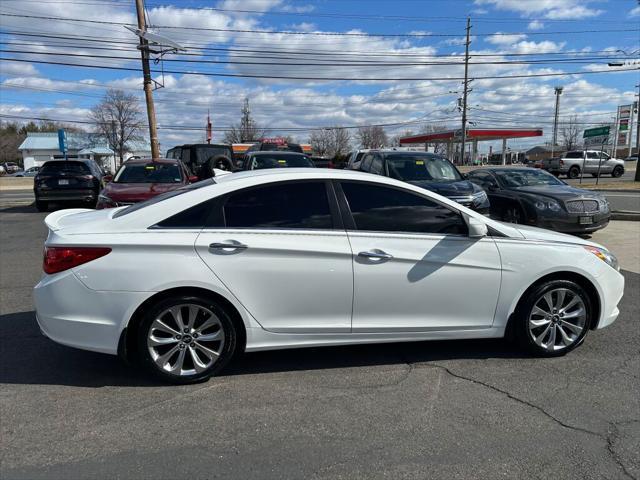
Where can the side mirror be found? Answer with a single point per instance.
(107, 178)
(465, 176)
(193, 178)
(477, 228)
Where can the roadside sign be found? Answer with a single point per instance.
(599, 140)
(596, 132)
(62, 140)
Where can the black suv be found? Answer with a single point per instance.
(429, 171)
(202, 158)
(78, 180)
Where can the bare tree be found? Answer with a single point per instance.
(118, 118)
(247, 130)
(372, 137)
(570, 133)
(395, 140)
(331, 142)
(438, 148)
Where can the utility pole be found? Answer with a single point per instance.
(148, 83)
(554, 142)
(463, 139)
(637, 105)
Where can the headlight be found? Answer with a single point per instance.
(604, 205)
(605, 255)
(550, 204)
(480, 197)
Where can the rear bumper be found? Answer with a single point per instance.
(70, 195)
(71, 314)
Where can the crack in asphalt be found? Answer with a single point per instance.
(609, 439)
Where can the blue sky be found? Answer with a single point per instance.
(410, 42)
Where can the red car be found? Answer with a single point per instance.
(139, 179)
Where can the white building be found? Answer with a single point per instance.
(40, 147)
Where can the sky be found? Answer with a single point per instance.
(305, 64)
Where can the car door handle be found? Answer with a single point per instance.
(375, 254)
(228, 245)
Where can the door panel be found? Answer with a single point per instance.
(290, 281)
(431, 282)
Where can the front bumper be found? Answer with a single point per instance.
(612, 288)
(570, 223)
(71, 314)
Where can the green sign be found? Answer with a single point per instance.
(595, 132)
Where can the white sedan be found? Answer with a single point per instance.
(290, 258)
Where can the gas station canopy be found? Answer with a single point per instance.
(478, 134)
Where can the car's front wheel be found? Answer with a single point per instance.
(553, 318)
(186, 339)
(617, 172)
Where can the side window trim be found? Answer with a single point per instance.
(349, 221)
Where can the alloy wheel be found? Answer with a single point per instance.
(557, 319)
(185, 339)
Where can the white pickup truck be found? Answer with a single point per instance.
(574, 162)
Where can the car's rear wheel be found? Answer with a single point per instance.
(574, 172)
(42, 206)
(553, 318)
(186, 339)
(617, 172)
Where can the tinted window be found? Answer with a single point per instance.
(290, 205)
(416, 166)
(523, 177)
(482, 178)
(593, 155)
(376, 164)
(384, 209)
(365, 165)
(279, 160)
(196, 217)
(53, 168)
(207, 152)
(573, 155)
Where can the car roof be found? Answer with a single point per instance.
(279, 152)
(502, 168)
(135, 161)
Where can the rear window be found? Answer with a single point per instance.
(152, 172)
(574, 155)
(163, 196)
(52, 168)
(279, 160)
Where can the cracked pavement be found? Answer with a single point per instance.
(469, 409)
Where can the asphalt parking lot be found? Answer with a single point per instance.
(472, 409)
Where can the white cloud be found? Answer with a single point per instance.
(15, 68)
(503, 39)
(551, 9)
(535, 25)
(298, 8)
(635, 12)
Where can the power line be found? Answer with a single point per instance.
(358, 79)
(322, 34)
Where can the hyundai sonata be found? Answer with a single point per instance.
(235, 263)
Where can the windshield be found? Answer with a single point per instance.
(164, 196)
(410, 166)
(526, 178)
(149, 173)
(279, 160)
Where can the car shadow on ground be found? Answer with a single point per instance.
(31, 359)
(19, 209)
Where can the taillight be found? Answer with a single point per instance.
(59, 259)
(561, 162)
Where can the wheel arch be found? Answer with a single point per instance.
(127, 345)
(578, 278)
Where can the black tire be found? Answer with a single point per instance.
(513, 214)
(226, 348)
(533, 296)
(617, 172)
(221, 163)
(574, 172)
(42, 206)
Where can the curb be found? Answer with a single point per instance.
(626, 215)
(614, 190)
